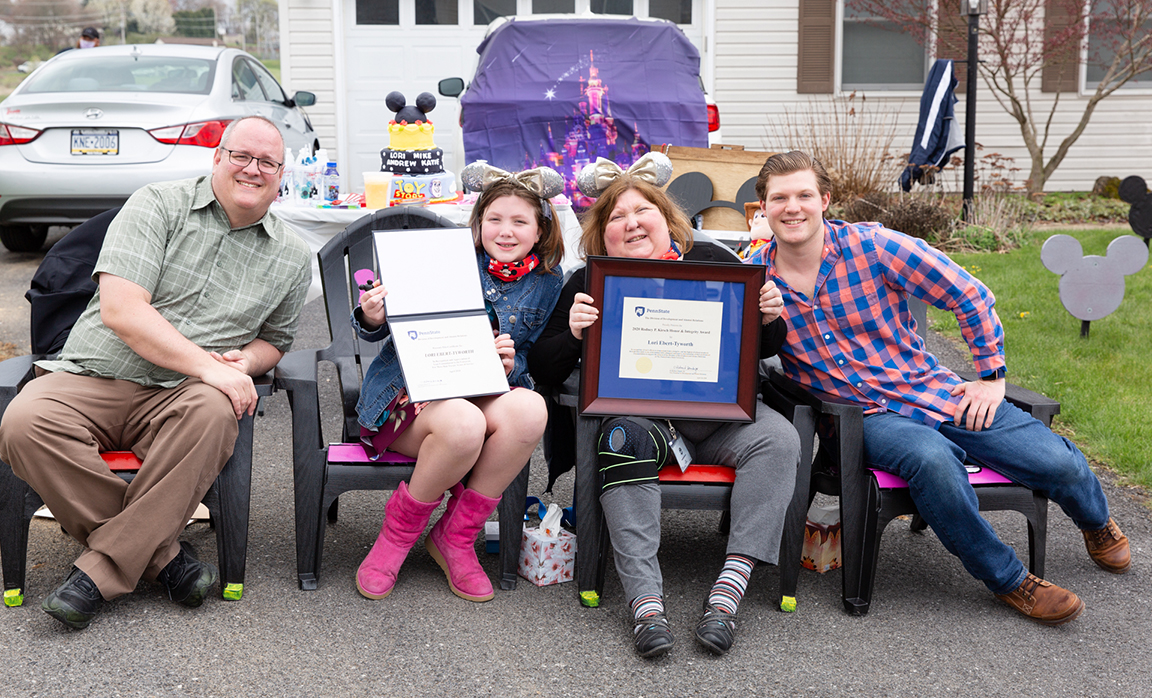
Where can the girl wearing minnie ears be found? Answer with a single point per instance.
(634, 218)
(519, 245)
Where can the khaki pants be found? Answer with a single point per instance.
(53, 433)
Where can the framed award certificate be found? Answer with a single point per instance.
(675, 339)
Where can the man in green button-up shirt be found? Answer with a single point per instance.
(200, 288)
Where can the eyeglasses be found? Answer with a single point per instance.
(241, 160)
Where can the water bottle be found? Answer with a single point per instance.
(287, 178)
(315, 182)
(331, 182)
(300, 183)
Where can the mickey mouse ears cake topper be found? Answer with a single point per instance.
(407, 113)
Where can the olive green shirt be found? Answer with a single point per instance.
(221, 288)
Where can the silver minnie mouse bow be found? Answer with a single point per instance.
(544, 182)
(654, 168)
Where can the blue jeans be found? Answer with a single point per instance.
(1017, 446)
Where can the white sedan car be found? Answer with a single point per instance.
(91, 126)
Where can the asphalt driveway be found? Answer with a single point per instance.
(932, 629)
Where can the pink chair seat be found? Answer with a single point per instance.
(983, 476)
(355, 453)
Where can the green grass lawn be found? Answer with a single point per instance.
(9, 79)
(1103, 383)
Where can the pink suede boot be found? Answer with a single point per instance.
(404, 521)
(452, 543)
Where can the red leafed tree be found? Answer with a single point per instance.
(1029, 48)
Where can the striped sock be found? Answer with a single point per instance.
(732, 583)
(647, 605)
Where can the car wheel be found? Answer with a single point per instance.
(23, 238)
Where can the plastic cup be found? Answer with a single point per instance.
(377, 189)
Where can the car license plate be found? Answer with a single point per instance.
(95, 141)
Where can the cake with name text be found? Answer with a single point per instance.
(416, 164)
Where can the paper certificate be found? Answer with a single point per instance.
(441, 330)
(664, 339)
(449, 357)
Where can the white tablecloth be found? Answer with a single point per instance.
(319, 225)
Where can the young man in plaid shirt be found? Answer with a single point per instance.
(844, 291)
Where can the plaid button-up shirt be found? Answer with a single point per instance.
(857, 340)
(220, 288)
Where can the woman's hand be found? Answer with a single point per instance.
(582, 315)
(372, 305)
(506, 348)
(771, 302)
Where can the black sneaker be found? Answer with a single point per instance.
(186, 579)
(653, 636)
(716, 629)
(75, 602)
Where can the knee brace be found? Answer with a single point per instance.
(631, 450)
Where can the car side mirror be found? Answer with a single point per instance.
(451, 87)
(303, 99)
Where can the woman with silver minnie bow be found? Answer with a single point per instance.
(519, 245)
(633, 218)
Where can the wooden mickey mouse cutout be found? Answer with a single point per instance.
(1134, 191)
(1092, 287)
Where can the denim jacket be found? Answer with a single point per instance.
(522, 306)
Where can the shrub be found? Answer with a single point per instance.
(852, 141)
(926, 217)
(996, 223)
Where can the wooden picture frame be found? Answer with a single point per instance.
(707, 314)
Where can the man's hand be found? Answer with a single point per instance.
(771, 302)
(981, 399)
(236, 359)
(372, 305)
(226, 376)
(506, 348)
(582, 314)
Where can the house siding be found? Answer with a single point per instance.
(755, 83)
(756, 63)
(307, 60)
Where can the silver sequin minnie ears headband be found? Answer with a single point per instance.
(544, 182)
(654, 168)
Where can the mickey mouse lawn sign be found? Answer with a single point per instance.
(1092, 287)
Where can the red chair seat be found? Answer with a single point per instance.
(698, 474)
(121, 460)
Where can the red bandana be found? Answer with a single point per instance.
(510, 271)
(673, 252)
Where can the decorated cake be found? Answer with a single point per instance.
(416, 164)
